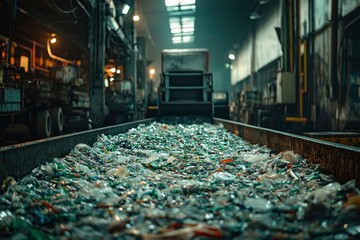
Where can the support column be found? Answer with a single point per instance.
(334, 48)
(97, 35)
(253, 56)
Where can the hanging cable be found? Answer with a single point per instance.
(63, 10)
(83, 8)
(74, 12)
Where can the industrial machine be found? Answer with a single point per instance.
(220, 103)
(39, 106)
(186, 83)
(120, 99)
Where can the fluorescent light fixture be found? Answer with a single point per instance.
(125, 9)
(232, 56)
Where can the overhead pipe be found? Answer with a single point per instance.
(57, 57)
(113, 25)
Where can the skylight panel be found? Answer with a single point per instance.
(172, 2)
(174, 23)
(187, 39)
(181, 20)
(176, 30)
(187, 30)
(187, 2)
(188, 8)
(177, 40)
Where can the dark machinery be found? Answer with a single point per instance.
(186, 84)
(220, 103)
(42, 106)
(120, 99)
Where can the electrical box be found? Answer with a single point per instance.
(10, 100)
(285, 88)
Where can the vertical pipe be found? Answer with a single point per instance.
(135, 79)
(291, 36)
(311, 77)
(300, 72)
(285, 45)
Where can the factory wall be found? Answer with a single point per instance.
(327, 103)
(266, 45)
(241, 68)
(329, 110)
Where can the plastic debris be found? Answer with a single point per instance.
(178, 180)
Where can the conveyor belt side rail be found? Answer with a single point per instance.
(340, 160)
(19, 160)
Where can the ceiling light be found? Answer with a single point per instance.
(118, 71)
(262, 2)
(113, 70)
(125, 9)
(112, 79)
(136, 18)
(255, 15)
(232, 56)
(152, 71)
(53, 37)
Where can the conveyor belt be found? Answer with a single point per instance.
(340, 160)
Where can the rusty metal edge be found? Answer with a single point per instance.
(339, 160)
(19, 160)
